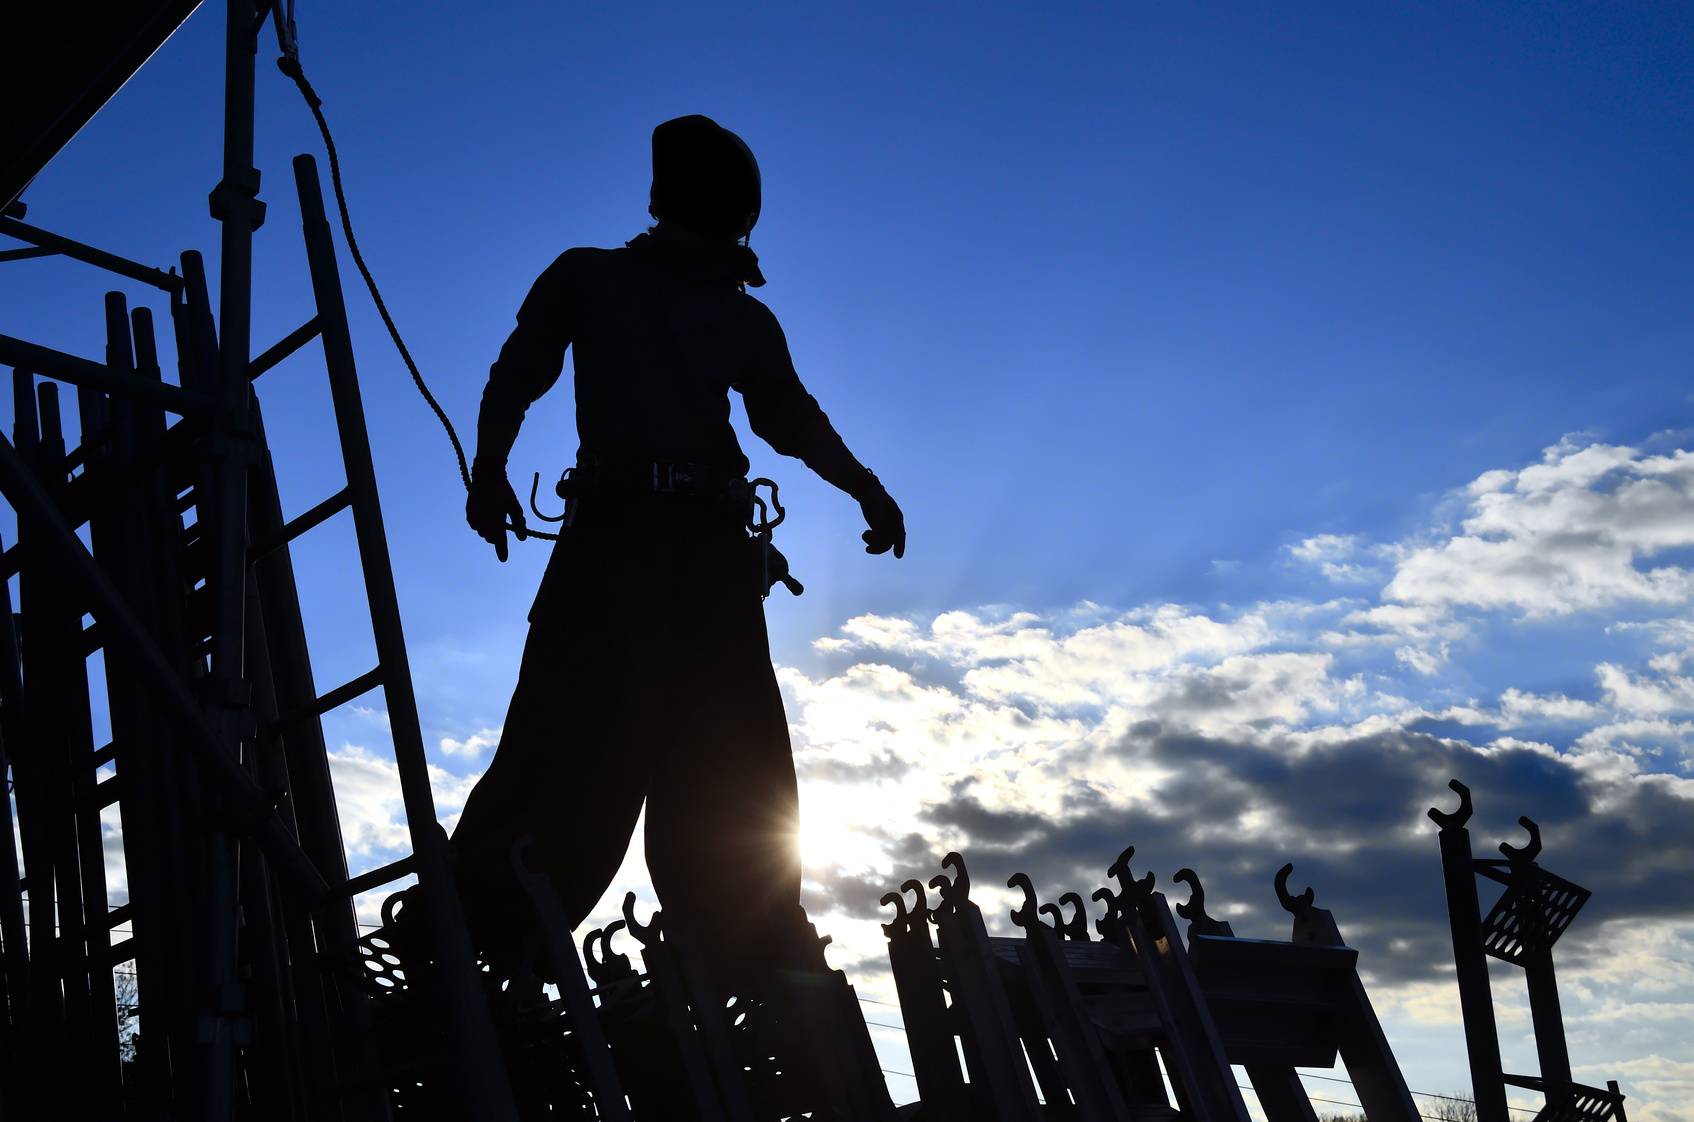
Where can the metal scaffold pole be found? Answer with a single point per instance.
(226, 691)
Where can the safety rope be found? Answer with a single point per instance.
(289, 64)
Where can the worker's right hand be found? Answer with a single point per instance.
(490, 502)
(887, 525)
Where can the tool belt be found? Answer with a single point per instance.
(604, 474)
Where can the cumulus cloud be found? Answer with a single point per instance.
(1325, 547)
(373, 813)
(1336, 556)
(473, 745)
(367, 794)
(1578, 531)
(1422, 660)
(1204, 743)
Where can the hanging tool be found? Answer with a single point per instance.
(773, 566)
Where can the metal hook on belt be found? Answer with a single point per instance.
(536, 486)
(773, 566)
(762, 523)
(566, 489)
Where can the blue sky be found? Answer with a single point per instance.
(1259, 381)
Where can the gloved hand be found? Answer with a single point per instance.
(490, 501)
(887, 525)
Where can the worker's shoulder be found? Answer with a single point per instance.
(575, 273)
(584, 258)
(756, 310)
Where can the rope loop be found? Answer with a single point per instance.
(289, 64)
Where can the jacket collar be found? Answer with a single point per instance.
(734, 263)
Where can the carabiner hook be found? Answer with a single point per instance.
(533, 488)
(762, 523)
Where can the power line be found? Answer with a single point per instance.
(874, 1001)
(1361, 1106)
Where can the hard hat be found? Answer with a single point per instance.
(704, 178)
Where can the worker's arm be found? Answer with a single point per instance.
(528, 366)
(790, 420)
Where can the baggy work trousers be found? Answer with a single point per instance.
(646, 678)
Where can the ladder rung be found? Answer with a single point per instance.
(106, 755)
(341, 695)
(78, 456)
(93, 638)
(317, 515)
(375, 878)
(118, 916)
(108, 792)
(289, 343)
(123, 952)
(105, 793)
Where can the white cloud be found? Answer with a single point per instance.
(367, 793)
(1325, 547)
(371, 715)
(1331, 553)
(1571, 533)
(1665, 693)
(1518, 708)
(112, 851)
(373, 814)
(1423, 661)
(473, 745)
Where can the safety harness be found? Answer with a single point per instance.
(614, 477)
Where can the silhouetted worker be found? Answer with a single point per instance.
(647, 673)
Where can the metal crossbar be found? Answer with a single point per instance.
(48, 244)
(83, 372)
(335, 698)
(325, 510)
(284, 347)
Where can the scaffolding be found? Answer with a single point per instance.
(239, 899)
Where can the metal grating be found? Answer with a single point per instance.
(1531, 914)
(1572, 1102)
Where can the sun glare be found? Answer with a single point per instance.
(833, 818)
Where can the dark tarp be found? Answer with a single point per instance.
(60, 61)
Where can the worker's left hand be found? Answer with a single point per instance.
(887, 525)
(490, 501)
